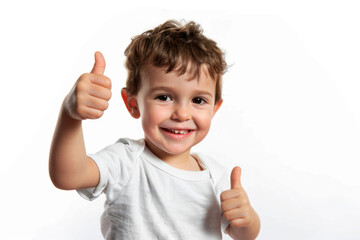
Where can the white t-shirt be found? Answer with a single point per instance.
(147, 198)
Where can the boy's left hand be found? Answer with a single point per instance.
(235, 202)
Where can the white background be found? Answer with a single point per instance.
(290, 117)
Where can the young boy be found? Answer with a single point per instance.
(156, 189)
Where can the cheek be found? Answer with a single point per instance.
(153, 115)
(203, 120)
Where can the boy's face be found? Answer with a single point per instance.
(176, 112)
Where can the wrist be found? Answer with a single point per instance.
(67, 108)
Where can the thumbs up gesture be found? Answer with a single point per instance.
(90, 96)
(244, 222)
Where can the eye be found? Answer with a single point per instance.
(198, 100)
(163, 98)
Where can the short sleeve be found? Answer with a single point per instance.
(92, 193)
(115, 164)
(221, 180)
(222, 185)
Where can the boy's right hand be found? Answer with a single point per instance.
(90, 96)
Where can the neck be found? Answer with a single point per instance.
(182, 161)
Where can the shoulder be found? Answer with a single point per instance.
(123, 152)
(135, 146)
(216, 169)
(124, 145)
(218, 172)
(210, 163)
(115, 163)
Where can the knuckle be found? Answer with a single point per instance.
(106, 105)
(81, 86)
(245, 222)
(243, 194)
(98, 114)
(227, 215)
(223, 206)
(223, 196)
(107, 81)
(79, 103)
(80, 110)
(109, 95)
(237, 223)
(84, 76)
(234, 223)
(102, 104)
(247, 208)
(245, 202)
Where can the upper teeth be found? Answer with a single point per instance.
(179, 131)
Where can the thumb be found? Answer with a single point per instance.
(235, 178)
(99, 65)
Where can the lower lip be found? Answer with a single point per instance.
(176, 136)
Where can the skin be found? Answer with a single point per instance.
(244, 221)
(176, 114)
(167, 103)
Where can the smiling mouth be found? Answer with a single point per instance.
(178, 131)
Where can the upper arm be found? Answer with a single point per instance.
(91, 176)
(87, 176)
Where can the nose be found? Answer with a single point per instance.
(182, 112)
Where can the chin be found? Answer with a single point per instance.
(168, 148)
(175, 150)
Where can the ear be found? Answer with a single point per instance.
(130, 103)
(217, 106)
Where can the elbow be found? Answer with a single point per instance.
(60, 182)
(59, 178)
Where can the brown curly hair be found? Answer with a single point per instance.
(178, 47)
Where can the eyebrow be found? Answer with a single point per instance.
(160, 89)
(204, 93)
(168, 89)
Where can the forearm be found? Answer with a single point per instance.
(246, 233)
(67, 154)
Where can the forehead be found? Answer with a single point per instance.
(152, 76)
